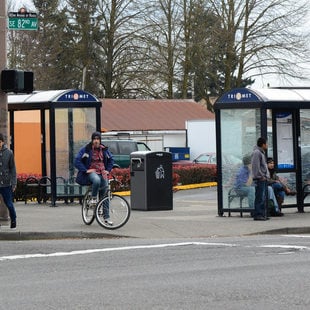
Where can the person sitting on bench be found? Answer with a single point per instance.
(243, 183)
(279, 188)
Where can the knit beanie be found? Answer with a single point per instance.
(95, 134)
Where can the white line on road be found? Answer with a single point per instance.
(82, 252)
(284, 246)
(297, 236)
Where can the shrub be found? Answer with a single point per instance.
(195, 174)
(180, 175)
(123, 176)
(19, 193)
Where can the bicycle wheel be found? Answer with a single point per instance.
(118, 209)
(88, 212)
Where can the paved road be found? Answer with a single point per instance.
(253, 272)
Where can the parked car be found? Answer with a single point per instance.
(210, 159)
(121, 149)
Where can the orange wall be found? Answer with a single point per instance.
(27, 148)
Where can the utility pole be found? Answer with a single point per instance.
(3, 96)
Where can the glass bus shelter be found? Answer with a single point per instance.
(282, 115)
(47, 128)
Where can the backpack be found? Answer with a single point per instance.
(271, 210)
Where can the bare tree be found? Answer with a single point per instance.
(116, 47)
(160, 39)
(261, 37)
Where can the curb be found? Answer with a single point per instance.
(18, 235)
(285, 231)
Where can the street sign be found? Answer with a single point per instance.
(23, 21)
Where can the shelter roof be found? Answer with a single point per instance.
(277, 94)
(52, 96)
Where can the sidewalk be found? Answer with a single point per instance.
(194, 215)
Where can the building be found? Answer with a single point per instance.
(158, 123)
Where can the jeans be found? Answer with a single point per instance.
(98, 182)
(99, 185)
(278, 190)
(260, 198)
(248, 191)
(7, 196)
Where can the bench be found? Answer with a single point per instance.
(305, 191)
(74, 191)
(31, 189)
(233, 194)
(67, 190)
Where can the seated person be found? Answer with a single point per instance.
(279, 188)
(243, 186)
(243, 183)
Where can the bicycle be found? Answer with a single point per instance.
(118, 207)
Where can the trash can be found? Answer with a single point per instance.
(151, 181)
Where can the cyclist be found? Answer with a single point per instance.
(94, 162)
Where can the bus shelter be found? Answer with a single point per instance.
(47, 128)
(282, 115)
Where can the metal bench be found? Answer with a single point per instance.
(67, 190)
(31, 189)
(233, 194)
(305, 191)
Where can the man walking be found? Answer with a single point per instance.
(8, 179)
(260, 176)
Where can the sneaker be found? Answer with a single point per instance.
(13, 225)
(108, 222)
(93, 202)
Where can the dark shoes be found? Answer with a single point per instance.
(13, 224)
(279, 214)
(261, 218)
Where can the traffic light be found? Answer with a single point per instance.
(17, 81)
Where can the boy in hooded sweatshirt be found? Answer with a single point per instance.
(8, 179)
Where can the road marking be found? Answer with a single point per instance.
(297, 236)
(126, 248)
(138, 247)
(284, 246)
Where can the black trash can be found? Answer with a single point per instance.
(151, 180)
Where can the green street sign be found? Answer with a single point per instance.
(23, 23)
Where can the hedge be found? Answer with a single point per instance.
(180, 176)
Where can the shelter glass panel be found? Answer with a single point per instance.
(305, 147)
(240, 129)
(27, 142)
(47, 143)
(74, 127)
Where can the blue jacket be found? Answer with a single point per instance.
(242, 177)
(83, 160)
